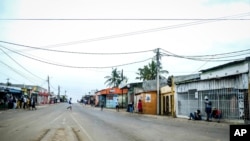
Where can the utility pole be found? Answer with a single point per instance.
(48, 85)
(7, 81)
(122, 88)
(7, 84)
(58, 93)
(157, 79)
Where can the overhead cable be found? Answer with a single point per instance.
(213, 58)
(147, 31)
(69, 66)
(61, 51)
(20, 64)
(16, 71)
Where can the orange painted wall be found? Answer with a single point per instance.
(148, 107)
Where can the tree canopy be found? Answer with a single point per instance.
(116, 78)
(149, 72)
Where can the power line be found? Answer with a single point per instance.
(209, 60)
(147, 31)
(69, 66)
(4, 74)
(212, 55)
(72, 52)
(212, 58)
(20, 64)
(15, 71)
(122, 19)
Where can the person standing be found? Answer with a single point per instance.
(139, 106)
(24, 102)
(131, 107)
(102, 104)
(29, 102)
(14, 103)
(117, 105)
(33, 103)
(208, 107)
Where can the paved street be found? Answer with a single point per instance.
(85, 123)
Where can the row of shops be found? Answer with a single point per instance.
(110, 96)
(7, 93)
(227, 86)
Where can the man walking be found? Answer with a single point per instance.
(70, 104)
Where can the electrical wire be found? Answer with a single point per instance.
(61, 51)
(4, 74)
(69, 66)
(120, 19)
(20, 65)
(213, 57)
(148, 30)
(16, 71)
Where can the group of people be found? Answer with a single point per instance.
(23, 102)
(28, 103)
(9, 102)
(131, 107)
(210, 113)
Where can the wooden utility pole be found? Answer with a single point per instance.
(157, 79)
(58, 94)
(48, 85)
(122, 88)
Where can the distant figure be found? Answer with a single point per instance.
(70, 104)
(102, 104)
(216, 114)
(14, 103)
(139, 106)
(33, 102)
(24, 102)
(131, 107)
(195, 116)
(117, 105)
(85, 102)
(208, 107)
(29, 102)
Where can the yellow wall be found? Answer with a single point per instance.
(167, 91)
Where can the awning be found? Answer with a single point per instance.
(14, 91)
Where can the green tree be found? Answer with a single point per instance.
(149, 72)
(115, 79)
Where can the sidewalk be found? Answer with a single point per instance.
(167, 118)
(37, 106)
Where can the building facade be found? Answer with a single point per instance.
(227, 86)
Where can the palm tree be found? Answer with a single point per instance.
(149, 72)
(115, 79)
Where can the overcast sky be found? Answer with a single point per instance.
(182, 27)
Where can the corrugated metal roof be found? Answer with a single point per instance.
(225, 65)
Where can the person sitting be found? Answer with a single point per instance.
(195, 116)
(216, 114)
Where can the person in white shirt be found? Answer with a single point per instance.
(70, 104)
